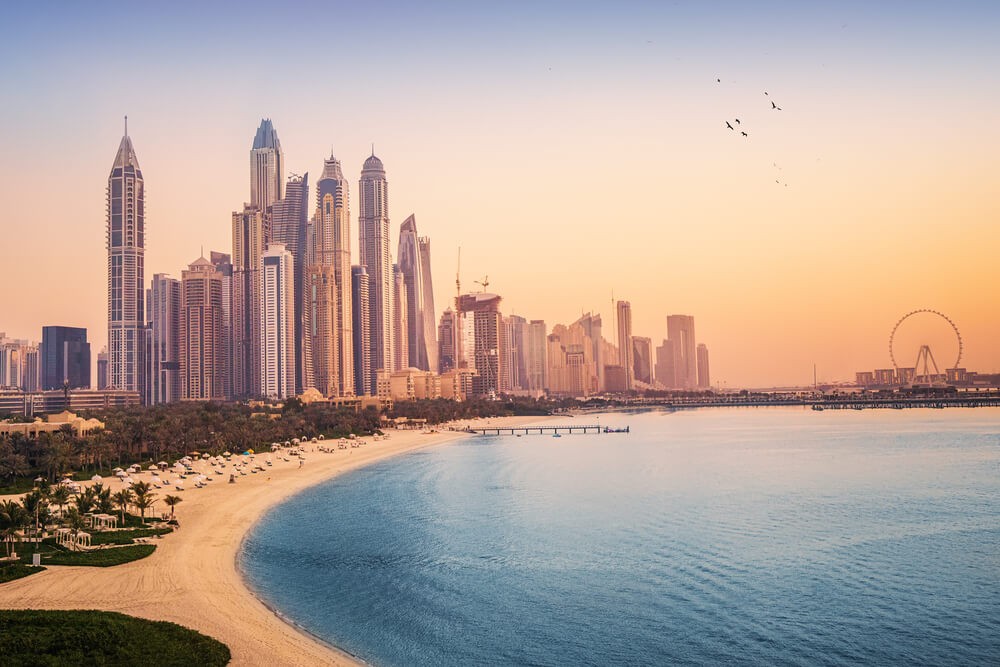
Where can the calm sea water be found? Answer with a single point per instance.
(721, 536)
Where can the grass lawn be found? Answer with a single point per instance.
(30, 637)
(98, 558)
(125, 536)
(12, 571)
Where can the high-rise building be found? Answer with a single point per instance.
(289, 227)
(517, 339)
(535, 357)
(373, 222)
(570, 357)
(592, 328)
(414, 257)
(224, 265)
(267, 168)
(102, 369)
(400, 353)
(249, 234)
(704, 381)
(642, 359)
(625, 358)
(447, 336)
(65, 358)
(126, 243)
(277, 327)
(202, 349)
(163, 379)
(481, 327)
(664, 369)
(20, 365)
(333, 338)
(364, 383)
(680, 332)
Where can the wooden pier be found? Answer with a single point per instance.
(542, 430)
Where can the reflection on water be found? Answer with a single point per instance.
(768, 536)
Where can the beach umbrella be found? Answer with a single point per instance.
(96, 478)
(205, 455)
(227, 454)
(152, 468)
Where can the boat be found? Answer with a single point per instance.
(817, 408)
(556, 435)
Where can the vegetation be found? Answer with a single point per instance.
(12, 571)
(126, 536)
(98, 557)
(32, 637)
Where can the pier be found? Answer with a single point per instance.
(542, 430)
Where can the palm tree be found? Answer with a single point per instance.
(102, 498)
(144, 498)
(75, 522)
(12, 518)
(122, 499)
(35, 504)
(171, 502)
(59, 496)
(85, 501)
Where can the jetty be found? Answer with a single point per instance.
(542, 430)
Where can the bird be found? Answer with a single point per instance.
(737, 121)
(744, 134)
(775, 106)
(729, 126)
(718, 80)
(765, 92)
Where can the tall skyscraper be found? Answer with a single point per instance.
(625, 358)
(664, 370)
(65, 357)
(517, 341)
(704, 381)
(592, 327)
(414, 256)
(374, 236)
(126, 243)
(277, 328)
(643, 360)
(267, 167)
(202, 349)
(482, 350)
(289, 227)
(535, 358)
(447, 336)
(164, 378)
(331, 302)
(400, 325)
(249, 234)
(20, 364)
(224, 265)
(680, 332)
(102, 369)
(364, 383)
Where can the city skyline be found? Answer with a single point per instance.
(879, 183)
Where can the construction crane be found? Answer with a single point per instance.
(484, 283)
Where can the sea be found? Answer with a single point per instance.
(719, 536)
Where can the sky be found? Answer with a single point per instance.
(576, 152)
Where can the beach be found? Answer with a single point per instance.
(192, 577)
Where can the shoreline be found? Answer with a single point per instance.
(193, 578)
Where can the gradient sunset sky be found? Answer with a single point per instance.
(573, 150)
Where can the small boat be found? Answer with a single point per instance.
(817, 408)
(556, 435)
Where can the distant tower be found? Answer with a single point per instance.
(680, 333)
(224, 265)
(126, 243)
(277, 326)
(446, 342)
(201, 359)
(65, 357)
(643, 360)
(102, 370)
(289, 227)
(165, 321)
(333, 340)
(400, 320)
(267, 172)
(363, 381)
(704, 381)
(414, 257)
(625, 358)
(248, 247)
(374, 236)
(535, 358)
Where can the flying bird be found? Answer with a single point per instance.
(744, 134)
(718, 80)
(775, 106)
(737, 121)
(729, 126)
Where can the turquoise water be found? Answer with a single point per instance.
(741, 536)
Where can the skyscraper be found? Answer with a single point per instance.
(332, 339)
(126, 244)
(289, 227)
(65, 357)
(414, 257)
(535, 357)
(664, 371)
(680, 332)
(164, 379)
(267, 167)
(482, 351)
(446, 342)
(374, 236)
(249, 236)
(224, 265)
(704, 382)
(201, 343)
(592, 327)
(643, 361)
(400, 325)
(364, 383)
(102, 369)
(625, 358)
(277, 327)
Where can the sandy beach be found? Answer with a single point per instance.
(192, 578)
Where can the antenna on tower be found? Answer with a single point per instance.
(126, 125)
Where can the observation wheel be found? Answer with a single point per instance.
(925, 369)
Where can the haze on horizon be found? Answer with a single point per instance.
(573, 150)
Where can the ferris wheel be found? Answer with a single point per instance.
(925, 369)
